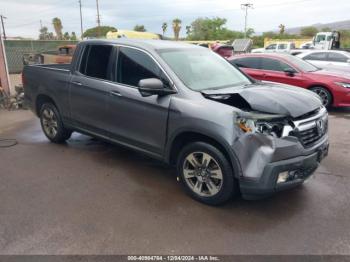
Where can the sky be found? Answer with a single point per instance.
(23, 16)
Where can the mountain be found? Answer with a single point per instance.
(340, 25)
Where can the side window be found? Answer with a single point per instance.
(282, 46)
(335, 57)
(248, 62)
(134, 65)
(95, 61)
(273, 65)
(321, 56)
(273, 46)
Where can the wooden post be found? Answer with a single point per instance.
(4, 76)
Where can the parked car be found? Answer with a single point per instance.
(328, 59)
(223, 50)
(333, 87)
(187, 106)
(280, 47)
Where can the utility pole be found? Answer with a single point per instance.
(2, 24)
(246, 7)
(81, 21)
(98, 20)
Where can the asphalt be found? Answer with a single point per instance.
(89, 197)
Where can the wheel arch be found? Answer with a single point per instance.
(40, 100)
(185, 137)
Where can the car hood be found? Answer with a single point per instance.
(273, 98)
(334, 72)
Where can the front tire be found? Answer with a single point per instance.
(324, 94)
(52, 124)
(206, 174)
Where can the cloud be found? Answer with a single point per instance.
(23, 16)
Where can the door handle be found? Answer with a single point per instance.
(77, 83)
(115, 93)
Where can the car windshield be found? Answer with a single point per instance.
(203, 69)
(301, 64)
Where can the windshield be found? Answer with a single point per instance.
(301, 64)
(203, 69)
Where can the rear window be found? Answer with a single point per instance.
(95, 61)
(335, 57)
(248, 62)
(321, 56)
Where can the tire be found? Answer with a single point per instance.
(211, 182)
(325, 95)
(52, 125)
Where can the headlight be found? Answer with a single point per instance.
(262, 123)
(343, 84)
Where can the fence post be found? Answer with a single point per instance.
(4, 73)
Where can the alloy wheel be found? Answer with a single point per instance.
(50, 123)
(202, 174)
(323, 94)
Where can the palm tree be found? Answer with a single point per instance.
(188, 29)
(57, 24)
(177, 28)
(164, 27)
(282, 28)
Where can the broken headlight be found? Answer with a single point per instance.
(271, 125)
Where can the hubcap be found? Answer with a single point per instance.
(323, 94)
(49, 121)
(202, 174)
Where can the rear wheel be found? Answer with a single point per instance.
(206, 174)
(52, 125)
(324, 94)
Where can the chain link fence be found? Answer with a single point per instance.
(16, 49)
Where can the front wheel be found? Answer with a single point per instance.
(52, 125)
(206, 174)
(324, 94)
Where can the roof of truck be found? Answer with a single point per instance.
(144, 43)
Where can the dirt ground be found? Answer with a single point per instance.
(89, 197)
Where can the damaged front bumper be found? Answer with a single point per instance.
(260, 179)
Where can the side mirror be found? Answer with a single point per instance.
(153, 86)
(289, 71)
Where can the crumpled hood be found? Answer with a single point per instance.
(274, 98)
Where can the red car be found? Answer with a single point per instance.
(223, 50)
(333, 87)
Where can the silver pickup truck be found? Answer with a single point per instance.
(225, 132)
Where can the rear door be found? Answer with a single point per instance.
(337, 59)
(138, 121)
(89, 88)
(318, 59)
(251, 66)
(273, 70)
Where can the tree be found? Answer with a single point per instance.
(66, 36)
(326, 29)
(73, 36)
(177, 28)
(250, 32)
(140, 28)
(93, 32)
(309, 31)
(213, 29)
(164, 27)
(188, 29)
(282, 28)
(57, 25)
(44, 33)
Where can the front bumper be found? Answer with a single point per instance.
(301, 168)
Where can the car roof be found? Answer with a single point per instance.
(271, 55)
(144, 43)
(324, 51)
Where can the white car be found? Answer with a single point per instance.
(328, 59)
(279, 47)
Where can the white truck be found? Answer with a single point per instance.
(279, 47)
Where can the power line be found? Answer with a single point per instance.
(246, 7)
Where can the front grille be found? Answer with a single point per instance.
(310, 130)
(310, 136)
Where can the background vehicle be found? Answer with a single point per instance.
(131, 34)
(223, 50)
(328, 59)
(187, 106)
(276, 48)
(63, 55)
(332, 87)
